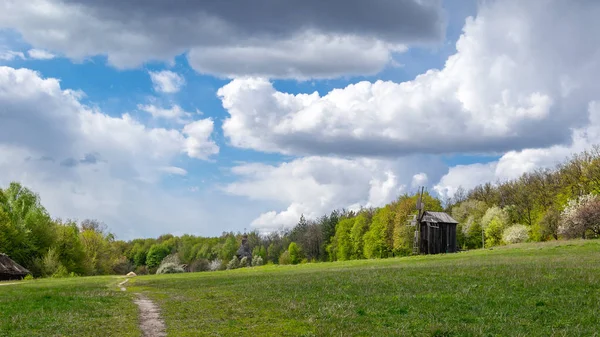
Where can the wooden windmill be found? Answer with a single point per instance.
(435, 232)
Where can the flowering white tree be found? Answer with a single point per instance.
(580, 216)
(515, 234)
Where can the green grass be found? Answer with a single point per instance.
(550, 289)
(91, 306)
(529, 290)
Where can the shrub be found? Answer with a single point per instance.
(156, 254)
(284, 258)
(515, 234)
(234, 263)
(580, 216)
(294, 253)
(28, 277)
(493, 232)
(169, 268)
(60, 272)
(199, 265)
(170, 265)
(172, 258)
(141, 270)
(244, 262)
(50, 263)
(122, 266)
(493, 223)
(257, 260)
(215, 265)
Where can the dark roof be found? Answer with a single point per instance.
(437, 217)
(8, 266)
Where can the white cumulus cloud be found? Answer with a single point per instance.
(39, 54)
(515, 82)
(167, 81)
(85, 163)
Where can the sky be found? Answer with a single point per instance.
(203, 117)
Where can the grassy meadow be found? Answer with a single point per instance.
(86, 306)
(547, 289)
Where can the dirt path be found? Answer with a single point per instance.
(8, 284)
(122, 285)
(151, 323)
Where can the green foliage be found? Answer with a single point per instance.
(229, 248)
(341, 241)
(199, 265)
(285, 258)
(257, 260)
(493, 232)
(245, 262)
(234, 263)
(156, 254)
(537, 200)
(376, 243)
(61, 272)
(294, 252)
(359, 228)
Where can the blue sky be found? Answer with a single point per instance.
(473, 92)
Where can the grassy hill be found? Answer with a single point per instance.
(547, 289)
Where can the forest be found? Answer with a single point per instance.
(546, 204)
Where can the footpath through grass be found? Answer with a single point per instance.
(88, 306)
(548, 289)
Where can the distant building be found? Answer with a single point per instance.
(244, 250)
(437, 233)
(10, 270)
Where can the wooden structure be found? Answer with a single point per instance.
(244, 250)
(10, 270)
(435, 231)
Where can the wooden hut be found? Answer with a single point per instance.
(437, 233)
(10, 270)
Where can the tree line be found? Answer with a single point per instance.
(546, 204)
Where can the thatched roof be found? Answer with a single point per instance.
(10, 267)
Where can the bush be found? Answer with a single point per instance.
(28, 277)
(141, 270)
(284, 258)
(215, 265)
(294, 253)
(170, 265)
(257, 260)
(61, 272)
(493, 232)
(244, 262)
(199, 265)
(234, 263)
(122, 266)
(156, 254)
(515, 234)
(50, 263)
(581, 216)
(169, 268)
